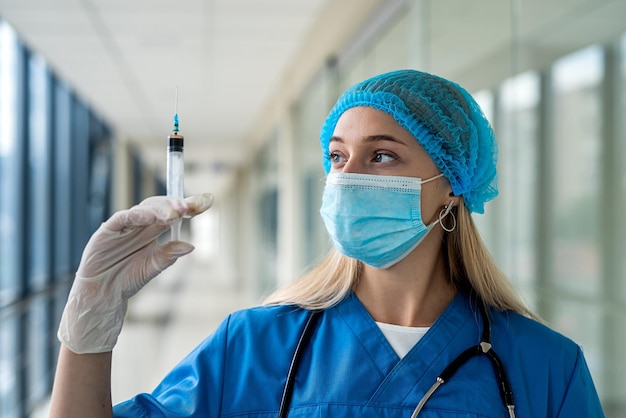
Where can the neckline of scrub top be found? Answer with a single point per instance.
(454, 331)
(402, 338)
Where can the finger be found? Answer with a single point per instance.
(175, 249)
(177, 203)
(153, 213)
(129, 218)
(198, 203)
(167, 203)
(162, 257)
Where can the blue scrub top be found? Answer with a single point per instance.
(350, 370)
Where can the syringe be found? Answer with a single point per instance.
(175, 168)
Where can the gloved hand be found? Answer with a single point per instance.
(119, 259)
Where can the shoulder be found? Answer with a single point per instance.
(278, 324)
(259, 335)
(531, 336)
(536, 351)
(267, 316)
(253, 326)
(548, 370)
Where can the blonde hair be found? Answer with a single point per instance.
(470, 267)
(323, 286)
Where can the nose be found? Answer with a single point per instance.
(353, 165)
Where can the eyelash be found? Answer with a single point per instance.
(330, 156)
(388, 154)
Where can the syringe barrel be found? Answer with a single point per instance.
(175, 166)
(175, 175)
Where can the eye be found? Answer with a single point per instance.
(384, 157)
(335, 158)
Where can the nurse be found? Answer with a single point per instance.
(408, 316)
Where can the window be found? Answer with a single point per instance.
(46, 135)
(62, 152)
(576, 184)
(621, 141)
(39, 168)
(576, 172)
(38, 365)
(10, 167)
(9, 365)
(518, 170)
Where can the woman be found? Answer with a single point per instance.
(408, 317)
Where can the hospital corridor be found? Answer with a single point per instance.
(107, 103)
(169, 320)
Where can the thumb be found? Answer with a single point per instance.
(177, 249)
(170, 252)
(162, 256)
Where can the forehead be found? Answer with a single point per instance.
(362, 120)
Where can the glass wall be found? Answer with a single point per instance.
(266, 201)
(576, 172)
(614, 237)
(47, 187)
(576, 207)
(518, 177)
(11, 159)
(38, 364)
(11, 185)
(620, 125)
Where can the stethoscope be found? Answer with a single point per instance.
(484, 348)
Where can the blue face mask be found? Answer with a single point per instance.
(375, 219)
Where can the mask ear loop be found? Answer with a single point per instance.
(447, 210)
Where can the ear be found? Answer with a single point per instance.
(453, 200)
(448, 197)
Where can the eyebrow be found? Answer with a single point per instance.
(372, 138)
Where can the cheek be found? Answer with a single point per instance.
(431, 204)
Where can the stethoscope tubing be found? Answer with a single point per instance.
(293, 367)
(483, 348)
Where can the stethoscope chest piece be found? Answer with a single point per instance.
(483, 348)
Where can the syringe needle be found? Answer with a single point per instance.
(176, 102)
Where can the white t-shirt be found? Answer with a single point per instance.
(402, 339)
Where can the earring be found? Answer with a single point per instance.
(447, 210)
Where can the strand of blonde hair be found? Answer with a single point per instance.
(323, 286)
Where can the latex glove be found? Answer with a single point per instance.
(121, 257)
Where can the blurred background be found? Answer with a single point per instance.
(87, 96)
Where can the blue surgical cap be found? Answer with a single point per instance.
(442, 116)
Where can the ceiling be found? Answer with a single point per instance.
(236, 63)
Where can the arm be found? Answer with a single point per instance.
(581, 398)
(82, 385)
